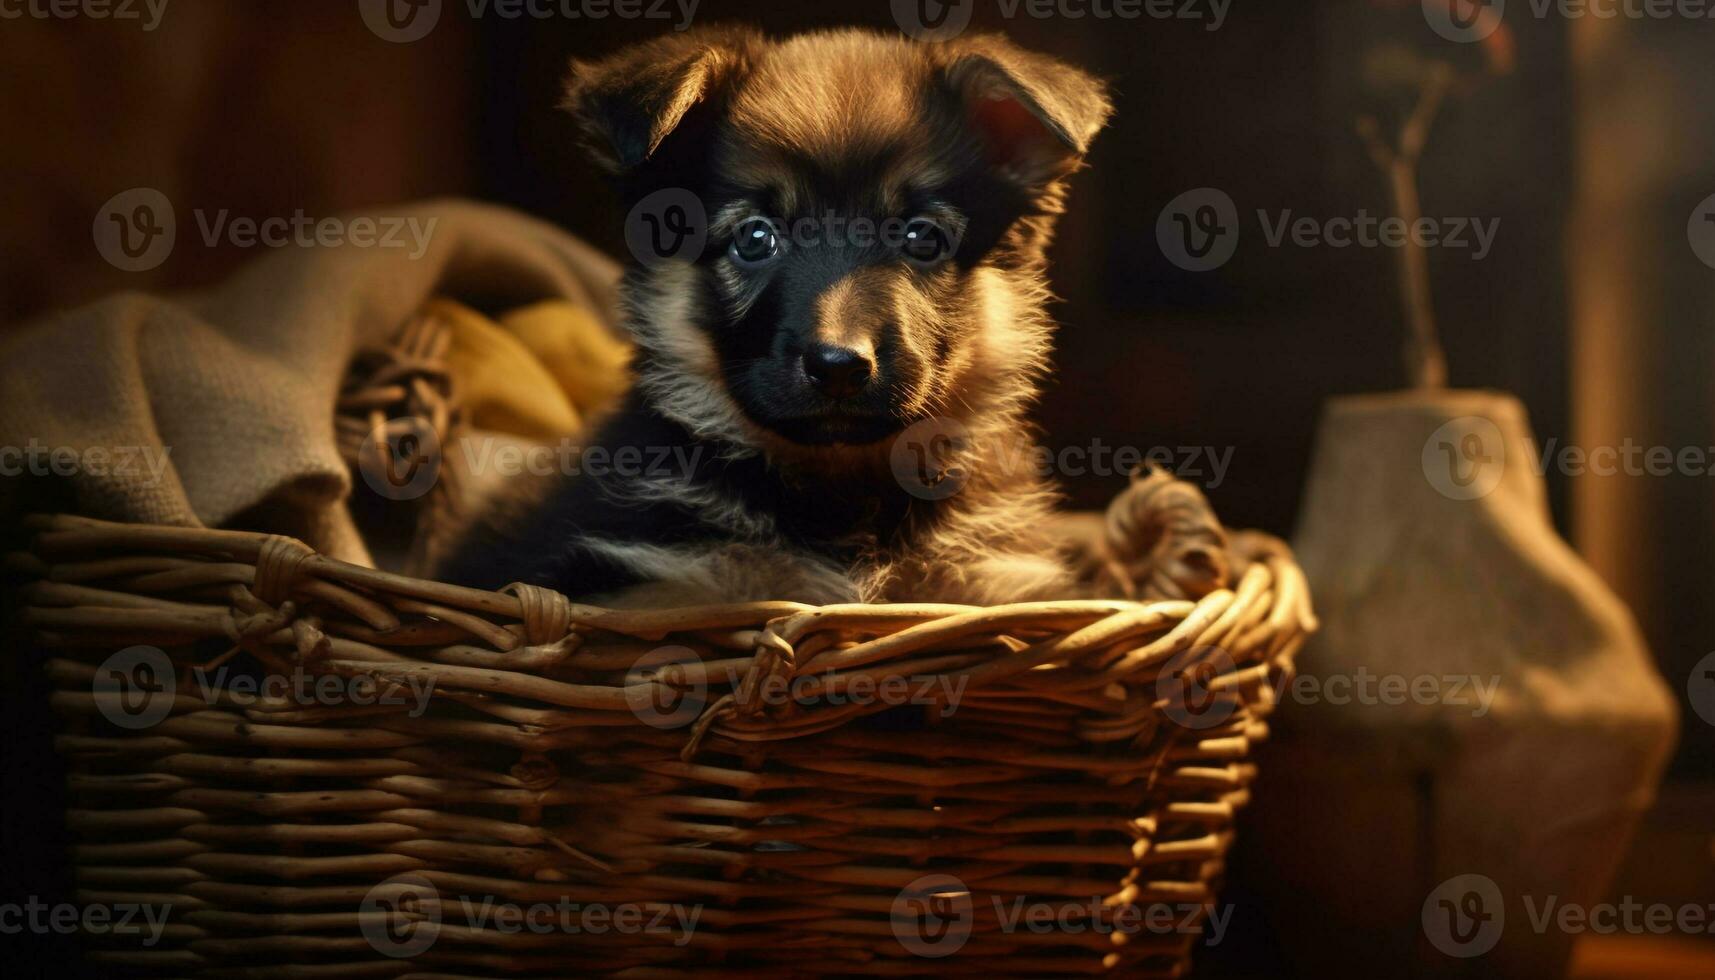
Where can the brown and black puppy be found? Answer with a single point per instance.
(865, 317)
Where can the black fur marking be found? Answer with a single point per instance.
(543, 544)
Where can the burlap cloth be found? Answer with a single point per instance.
(234, 387)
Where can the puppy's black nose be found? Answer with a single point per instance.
(838, 372)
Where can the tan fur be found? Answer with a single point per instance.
(794, 111)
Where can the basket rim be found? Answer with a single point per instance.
(60, 537)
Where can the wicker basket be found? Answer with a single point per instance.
(318, 769)
(578, 782)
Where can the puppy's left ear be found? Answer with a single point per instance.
(1036, 115)
(631, 103)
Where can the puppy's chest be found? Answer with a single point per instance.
(841, 522)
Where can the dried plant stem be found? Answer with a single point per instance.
(1425, 364)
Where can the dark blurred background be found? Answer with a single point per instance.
(1592, 153)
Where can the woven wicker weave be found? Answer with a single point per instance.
(574, 757)
(442, 781)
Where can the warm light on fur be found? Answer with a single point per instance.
(796, 496)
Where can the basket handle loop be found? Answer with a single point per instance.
(547, 615)
(279, 564)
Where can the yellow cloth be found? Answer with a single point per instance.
(541, 371)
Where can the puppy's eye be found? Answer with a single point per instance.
(754, 243)
(926, 243)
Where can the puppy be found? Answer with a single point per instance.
(850, 357)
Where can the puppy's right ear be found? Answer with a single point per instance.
(628, 103)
